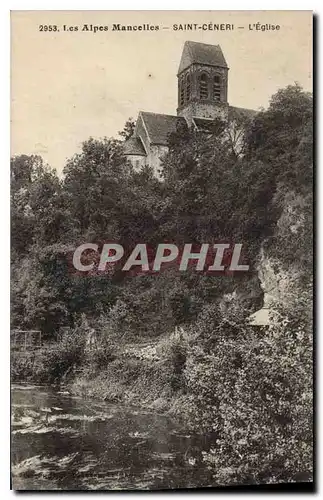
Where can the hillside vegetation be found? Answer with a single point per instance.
(181, 342)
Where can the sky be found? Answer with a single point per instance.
(69, 85)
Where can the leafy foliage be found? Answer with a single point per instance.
(247, 181)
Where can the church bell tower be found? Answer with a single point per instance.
(202, 82)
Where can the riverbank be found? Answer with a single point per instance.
(129, 382)
(146, 375)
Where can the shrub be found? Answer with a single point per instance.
(254, 390)
(99, 358)
(21, 367)
(59, 362)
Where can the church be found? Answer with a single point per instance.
(202, 83)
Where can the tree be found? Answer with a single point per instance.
(35, 213)
(253, 390)
(128, 129)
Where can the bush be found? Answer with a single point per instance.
(99, 358)
(254, 391)
(59, 362)
(21, 367)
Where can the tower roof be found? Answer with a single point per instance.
(201, 53)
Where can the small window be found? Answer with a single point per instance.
(204, 91)
(216, 88)
(188, 88)
(137, 164)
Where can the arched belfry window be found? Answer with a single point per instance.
(188, 88)
(204, 86)
(216, 88)
(181, 92)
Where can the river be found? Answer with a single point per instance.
(64, 442)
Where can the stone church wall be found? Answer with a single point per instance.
(137, 161)
(204, 110)
(155, 153)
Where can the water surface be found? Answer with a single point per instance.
(64, 442)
